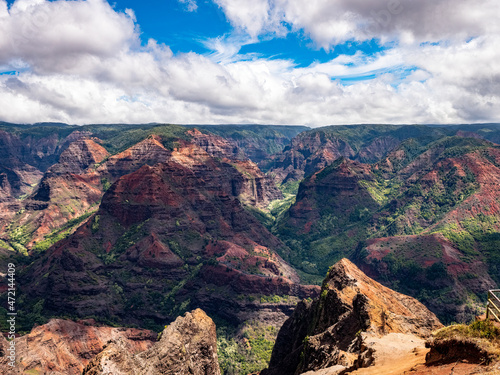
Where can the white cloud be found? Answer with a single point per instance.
(330, 22)
(190, 5)
(52, 35)
(81, 62)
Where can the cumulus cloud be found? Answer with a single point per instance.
(330, 22)
(82, 62)
(51, 36)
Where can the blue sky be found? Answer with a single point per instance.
(315, 62)
(170, 22)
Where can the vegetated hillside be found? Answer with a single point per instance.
(312, 150)
(424, 221)
(43, 202)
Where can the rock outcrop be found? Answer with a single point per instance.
(187, 346)
(337, 328)
(63, 347)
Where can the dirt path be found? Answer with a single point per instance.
(394, 354)
(399, 354)
(451, 368)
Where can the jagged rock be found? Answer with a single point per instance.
(187, 346)
(63, 347)
(337, 328)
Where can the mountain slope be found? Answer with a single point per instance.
(71, 189)
(422, 220)
(334, 330)
(166, 239)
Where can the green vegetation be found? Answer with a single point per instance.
(5, 245)
(277, 208)
(477, 236)
(275, 299)
(256, 141)
(290, 188)
(105, 184)
(379, 192)
(245, 350)
(477, 329)
(117, 138)
(60, 233)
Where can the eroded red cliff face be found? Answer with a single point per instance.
(74, 186)
(187, 346)
(63, 347)
(177, 227)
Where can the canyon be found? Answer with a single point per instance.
(136, 226)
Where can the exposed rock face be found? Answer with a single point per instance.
(377, 149)
(257, 142)
(67, 190)
(147, 152)
(334, 329)
(187, 346)
(335, 188)
(79, 156)
(63, 347)
(252, 186)
(73, 187)
(26, 158)
(309, 153)
(216, 146)
(179, 221)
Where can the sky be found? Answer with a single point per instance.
(302, 62)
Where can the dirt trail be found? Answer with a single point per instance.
(394, 354)
(399, 354)
(452, 368)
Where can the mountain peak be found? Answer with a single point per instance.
(338, 327)
(388, 311)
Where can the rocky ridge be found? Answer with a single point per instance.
(334, 331)
(63, 347)
(187, 346)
